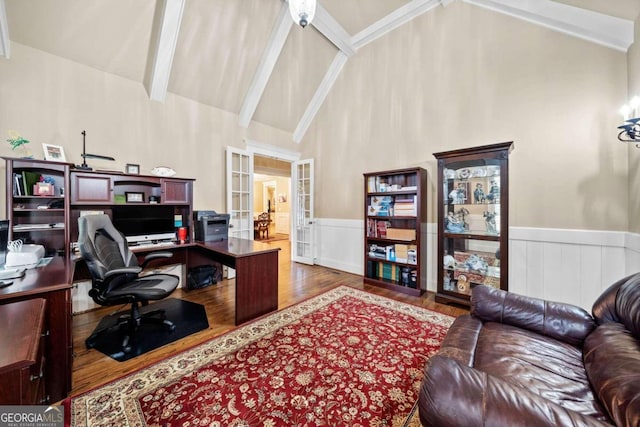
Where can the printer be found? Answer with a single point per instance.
(210, 226)
(24, 256)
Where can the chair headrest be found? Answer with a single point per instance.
(89, 225)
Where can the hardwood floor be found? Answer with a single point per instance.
(296, 282)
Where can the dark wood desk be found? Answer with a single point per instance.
(22, 374)
(256, 266)
(52, 283)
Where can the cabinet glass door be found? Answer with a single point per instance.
(471, 196)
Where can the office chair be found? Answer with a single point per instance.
(115, 277)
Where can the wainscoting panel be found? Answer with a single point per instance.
(340, 244)
(572, 266)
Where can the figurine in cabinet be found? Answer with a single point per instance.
(478, 194)
(449, 262)
(458, 195)
(490, 221)
(454, 224)
(494, 192)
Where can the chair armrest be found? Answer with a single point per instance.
(123, 270)
(565, 322)
(154, 256)
(453, 394)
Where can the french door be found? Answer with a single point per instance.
(302, 230)
(240, 202)
(240, 193)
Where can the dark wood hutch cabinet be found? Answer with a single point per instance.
(52, 221)
(100, 191)
(473, 220)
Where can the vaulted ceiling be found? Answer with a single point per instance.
(246, 56)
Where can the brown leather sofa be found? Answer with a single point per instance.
(520, 361)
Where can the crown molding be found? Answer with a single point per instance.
(165, 46)
(5, 43)
(278, 36)
(606, 30)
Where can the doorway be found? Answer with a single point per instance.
(272, 188)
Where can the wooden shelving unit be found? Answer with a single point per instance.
(42, 220)
(394, 206)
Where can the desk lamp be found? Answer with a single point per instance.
(86, 155)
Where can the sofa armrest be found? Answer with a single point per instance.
(452, 394)
(565, 322)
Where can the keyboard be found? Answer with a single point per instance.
(152, 245)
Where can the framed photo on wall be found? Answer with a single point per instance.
(54, 153)
(132, 169)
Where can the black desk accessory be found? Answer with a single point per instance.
(86, 155)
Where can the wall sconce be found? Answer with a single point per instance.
(302, 11)
(630, 130)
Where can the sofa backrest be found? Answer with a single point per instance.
(611, 351)
(620, 303)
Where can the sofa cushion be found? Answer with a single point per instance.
(612, 363)
(547, 367)
(456, 395)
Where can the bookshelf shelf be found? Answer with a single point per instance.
(394, 207)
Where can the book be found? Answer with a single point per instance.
(18, 186)
(29, 180)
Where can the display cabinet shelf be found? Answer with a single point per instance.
(473, 220)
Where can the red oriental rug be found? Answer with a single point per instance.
(345, 357)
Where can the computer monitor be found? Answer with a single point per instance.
(145, 223)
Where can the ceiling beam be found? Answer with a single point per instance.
(167, 27)
(332, 30)
(606, 30)
(398, 17)
(270, 56)
(5, 43)
(336, 34)
(321, 93)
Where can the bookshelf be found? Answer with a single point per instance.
(37, 205)
(394, 208)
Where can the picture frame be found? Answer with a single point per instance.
(54, 153)
(134, 197)
(132, 169)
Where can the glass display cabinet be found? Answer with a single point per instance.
(473, 220)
